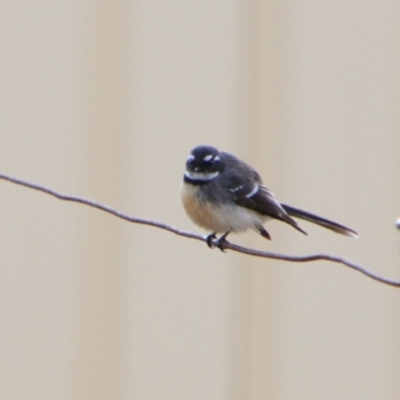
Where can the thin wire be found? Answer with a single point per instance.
(191, 235)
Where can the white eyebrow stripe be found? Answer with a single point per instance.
(253, 192)
(208, 157)
(191, 157)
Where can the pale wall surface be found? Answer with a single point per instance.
(105, 99)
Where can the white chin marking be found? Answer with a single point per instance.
(201, 176)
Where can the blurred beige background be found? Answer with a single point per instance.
(105, 99)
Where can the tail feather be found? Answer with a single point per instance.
(326, 223)
(263, 232)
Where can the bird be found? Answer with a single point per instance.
(223, 194)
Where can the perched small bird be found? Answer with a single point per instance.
(223, 194)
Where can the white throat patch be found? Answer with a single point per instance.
(201, 176)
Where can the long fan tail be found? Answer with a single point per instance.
(326, 223)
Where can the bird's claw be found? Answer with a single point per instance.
(213, 242)
(220, 244)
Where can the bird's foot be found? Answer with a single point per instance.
(220, 243)
(211, 240)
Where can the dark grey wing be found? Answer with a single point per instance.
(244, 187)
(262, 201)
